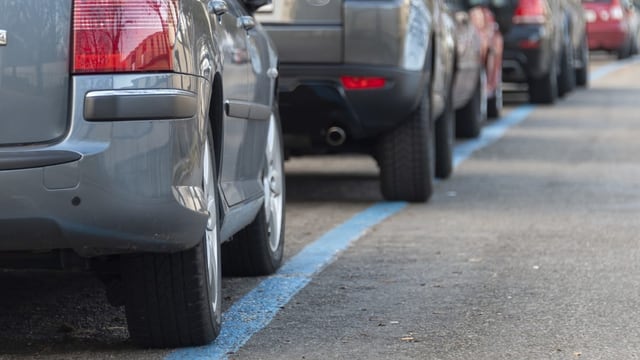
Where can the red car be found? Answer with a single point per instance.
(612, 25)
(477, 91)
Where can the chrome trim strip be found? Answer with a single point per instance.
(136, 92)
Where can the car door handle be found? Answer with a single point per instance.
(218, 7)
(247, 22)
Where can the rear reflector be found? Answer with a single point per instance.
(362, 83)
(529, 44)
(123, 35)
(530, 12)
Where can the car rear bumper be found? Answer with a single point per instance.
(312, 99)
(123, 186)
(606, 36)
(528, 53)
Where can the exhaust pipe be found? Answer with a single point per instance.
(336, 136)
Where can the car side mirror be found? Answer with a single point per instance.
(253, 5)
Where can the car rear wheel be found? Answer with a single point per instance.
(582, 73)
(445, 137)
(634, 46)
(566, 78)
(625, 50)
(544, 90)
(174, 300)
(495, 103)
(470, 117)
(406, 157)
(258, 248)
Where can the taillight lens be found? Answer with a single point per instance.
(123, 35)
(362, 82)
(530, 12)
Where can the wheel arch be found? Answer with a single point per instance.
(216, 116)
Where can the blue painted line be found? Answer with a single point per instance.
(611, 67)
(493, 132)
(490, 133)
(256, 309)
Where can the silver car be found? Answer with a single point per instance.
(136, 137)
(371, 77)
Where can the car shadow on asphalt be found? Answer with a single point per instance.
(52, 312)
(328, 187)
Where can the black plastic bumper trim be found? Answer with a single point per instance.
(14, 160)
(155, 104)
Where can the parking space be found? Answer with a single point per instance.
(473, 274)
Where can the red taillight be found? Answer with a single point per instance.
(362, 83)
(530, 12)
(529, 44)
(123, 35)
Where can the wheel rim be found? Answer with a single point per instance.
(212, 248)
(273, 185)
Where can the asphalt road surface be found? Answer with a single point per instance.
(530, 251)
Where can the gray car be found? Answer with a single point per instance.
(372, 77)
(137, 137)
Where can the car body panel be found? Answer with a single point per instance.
(479, 47)
(492, 45)
(134, 188)
(312, 29)
(389, 39)
(119, 183)
(445, 48)
(469, 61)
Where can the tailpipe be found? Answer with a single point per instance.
(336, 136)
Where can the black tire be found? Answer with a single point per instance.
(544, 90)
(472, 115)
(174, 300)
(258, 248)
(567, 76)
(625, 50)
(445, 137)
(406, 157)
(634, 45)
(495, 103)
(582, 73)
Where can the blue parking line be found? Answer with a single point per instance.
(256, 309)
(490, 133)
(611, 67)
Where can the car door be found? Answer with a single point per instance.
(444, 27)
(237, 175)
(262, 76)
